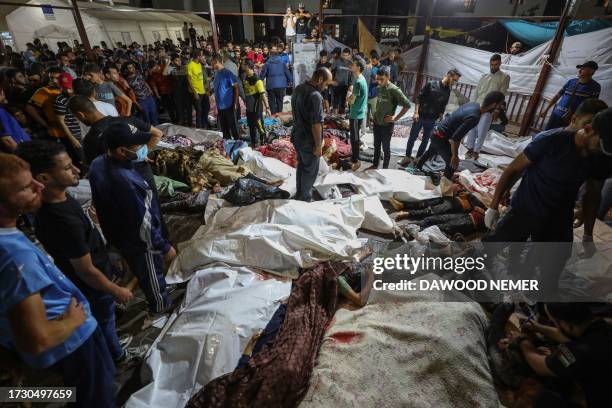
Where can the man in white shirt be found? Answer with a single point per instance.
(289, 23)
(496, 80)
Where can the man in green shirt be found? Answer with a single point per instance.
(389, 97)
(358, 102)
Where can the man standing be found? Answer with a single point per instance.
(357, 112)
(301, 23)
(255, 101)
(106, 91)
(185, 31)
(196, 75)
(392, 62)
(71, 238)
(180, 90)
(67, 122)
(448, 133)
(341, 69)
(44, 318)
(64, 63)
(571, 95)
(40, 106)
(496, 80)
(129, 212)
(144, 95)
(289, 21)
(552, 168)
(388, 98)
(277, 77)
(226, 91)
(430, 106)
(193, 36)
(307, 132)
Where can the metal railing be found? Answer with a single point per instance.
(516, 102)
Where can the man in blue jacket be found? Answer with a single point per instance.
(277, 77)
(129, 212)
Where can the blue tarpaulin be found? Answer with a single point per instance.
(534, 34)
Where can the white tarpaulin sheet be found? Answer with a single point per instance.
(223, 308)
(269, 168)
(195, 135)
(497, 144)
(276, 235)
(384, 183)
(523, 69)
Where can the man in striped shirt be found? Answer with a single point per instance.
(71, 131)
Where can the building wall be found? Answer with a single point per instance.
(504, 8)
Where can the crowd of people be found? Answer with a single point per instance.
(64, 116)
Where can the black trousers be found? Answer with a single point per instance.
(167, 101)
(182, 102)
(256, 127)
(306, 174)
(355, 127)
(340, 92)
(275, 97)
(382, 138)
(441, 147)
(228, 124)
(202, 107)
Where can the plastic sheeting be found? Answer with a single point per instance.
(279, 236)
(523, 69)
(497, 144)
(224, 307)
(195, 135)
(536, 33)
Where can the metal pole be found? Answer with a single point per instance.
(549, 59)
(321, 19)
(213, 22)
(424, 49)
(81, 29)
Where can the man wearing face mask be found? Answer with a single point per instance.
(584, 354)
(129, 212)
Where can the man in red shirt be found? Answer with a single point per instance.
(162, 88)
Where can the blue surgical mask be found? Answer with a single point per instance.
(141, 154)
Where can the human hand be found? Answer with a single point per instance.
(75, 313)
(454, 163)
(76, 144)
(415, 117)
(588, 247)
(318, 150)
(123, 295)
(491, 218)
(170, 255)
(389, 119)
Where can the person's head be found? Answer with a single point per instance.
(15, 77)
(289, 10)
(358, 66)
(175, 59)
(453, 76)
(587, 70)
(374, 57)
(83, 87)
(49, 164)
(323, 56)
(321, 78)
(65, 83)
(35, 73)
(63, 59)
(596, 137)
(111, 73)
(129, 68)
(265, 50)
(54, 74)
(495, 63)
(346, 53)
(491, 100)
(383, 75)
(249, 67)
(571, 318)
(93, 73)
(217, 62)
(585, 112)
(20, 193)
(190, 24)
(126, 143)
(516, 48)
(83, 108)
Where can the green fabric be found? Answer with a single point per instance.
(388, 99)
(166, 187)
(343, 286)
(359, 107)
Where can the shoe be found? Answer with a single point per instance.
(398, 205)
(405, 161)
(355, 166)
(132, 357)
(469, 154)
(125, 341)
(372, 167)
(402, 215)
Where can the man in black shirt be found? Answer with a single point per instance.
(448, 133)
(72, 239)
(301, 23)
(430, 106)
(307, 133)
(584, 354)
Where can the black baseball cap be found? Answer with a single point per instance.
(124, 134)
(589, 64)
(602, 124)
(454, 71)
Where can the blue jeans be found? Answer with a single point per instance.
(149, 110)
(103, 309)
(555, 121)
(427, 125)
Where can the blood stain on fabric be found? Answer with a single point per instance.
(346, 337)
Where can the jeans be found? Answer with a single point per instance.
(555, 121)
(355, 128)
(275, 97)
(148, 267)
(228, 124)
(340, 97)
(438, 146)
(256, 127)
(382, 137)
(149, 110)
(103, 309)
(90, 369)
(477, 135)
(202, 107)
(307, 170)
(168, 103)
(427, 125)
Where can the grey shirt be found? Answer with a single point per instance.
(307, 107)
(342, 71)
(107, 91)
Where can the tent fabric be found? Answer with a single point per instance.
(224, 307)
(537, 33)
(367, 42)
(523, 69)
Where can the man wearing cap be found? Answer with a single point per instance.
(571, 95)
(552, 168)
(301, 23)
(67, 122)
(129, 212)
(430, 106)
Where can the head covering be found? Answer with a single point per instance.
(454, 71)
(602, 124)
(65, 80)
(124, 134)
(589, 64)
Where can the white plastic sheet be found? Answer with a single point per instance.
(195, 135)
(223, 308)
(497, 144)
(276, 235)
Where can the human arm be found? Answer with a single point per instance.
(73, 140)
(236, 96)
(535, 359)
(35, 114)
(505, 84)
(264, 72)
(512, 173)
(317, 131)
(8, 143)
(590, 205)
(550, 104)
(92, 276)
(454, 153)
(551, 332)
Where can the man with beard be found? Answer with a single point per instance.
(307, 133)
(70, 237)
(44, 318)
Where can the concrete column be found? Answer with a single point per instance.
(248, 22)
